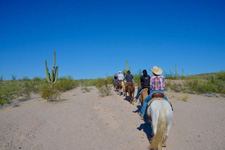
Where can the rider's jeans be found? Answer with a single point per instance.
(138, 92)
(144, 106)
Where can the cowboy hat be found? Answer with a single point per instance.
(156, 70)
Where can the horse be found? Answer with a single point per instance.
(114, 84)
(160, 113)
(143, 94)
(130, 89)
(119, 86)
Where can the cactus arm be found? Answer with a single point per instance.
(56, 74)
(47, 73)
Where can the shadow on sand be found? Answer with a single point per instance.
(127, 98)
(146, 126)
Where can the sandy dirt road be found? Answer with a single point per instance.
(86, 121)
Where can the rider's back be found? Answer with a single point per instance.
(145, 81)
(129, 77)
(120, 76)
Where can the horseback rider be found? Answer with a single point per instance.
(157, 85)
(120, 78)
(129, 79)
(145, 82)
(115, 78)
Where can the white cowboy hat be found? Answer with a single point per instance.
(119, 71)
(156, 70)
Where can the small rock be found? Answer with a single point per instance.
(208, 95)
(217, 95)
(190, 92)
(177, 90)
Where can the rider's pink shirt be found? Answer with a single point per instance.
(160, 81)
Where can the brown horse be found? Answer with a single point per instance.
(119, 87)
(130, 89)
(114, 84)
(143, 95)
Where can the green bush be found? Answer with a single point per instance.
(105, 90)
(110, 79)
(49, 93)
(99, 83)
(87, 89)
(220, 76)
(169, 75)
(137, 76)
(206, 86)
(64, 84)
(10, 90)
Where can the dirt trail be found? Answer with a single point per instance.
(87, 121)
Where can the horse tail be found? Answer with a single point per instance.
(161, 128)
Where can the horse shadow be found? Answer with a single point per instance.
(127, 98)
(146, 127)
(138, 109)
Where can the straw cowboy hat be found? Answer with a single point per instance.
(156, 70)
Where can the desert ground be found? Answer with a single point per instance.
(87, 121)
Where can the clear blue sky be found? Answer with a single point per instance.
(94, 38)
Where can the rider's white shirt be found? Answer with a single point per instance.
(120, 77)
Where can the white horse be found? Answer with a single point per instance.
(161, 114)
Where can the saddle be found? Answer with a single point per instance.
(158, 96)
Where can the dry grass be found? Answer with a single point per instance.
(87, 89)
(185, 98)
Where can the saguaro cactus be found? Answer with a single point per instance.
(51, 78)
(127, 64)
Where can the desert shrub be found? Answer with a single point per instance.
(49, 93)
(10, 90)
(105, 90)
(220, 76)
(99, 83)
(185, 98)
(169, 75)
(137, 76)
(2, 101)
(87, 89)
(26, 78)
(88, 82)
(110, 79)
(206, 86)
(64, 84)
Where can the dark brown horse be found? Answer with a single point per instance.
(119, 87)
(130, 89)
